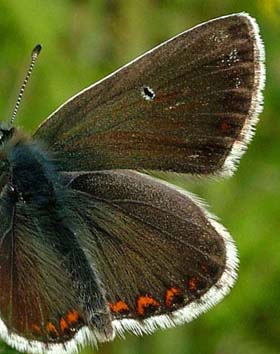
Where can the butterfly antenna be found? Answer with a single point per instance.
(34, 55)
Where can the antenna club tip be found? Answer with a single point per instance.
(37, 49)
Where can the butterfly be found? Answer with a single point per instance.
(90, 245)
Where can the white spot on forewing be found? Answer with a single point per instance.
(177, 104)
(237, 82)
(148, 93)
(233, 56)
(230, 58)
(195, 156)
(219, 37)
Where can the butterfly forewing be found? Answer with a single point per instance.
(187, 106)
(156, 251)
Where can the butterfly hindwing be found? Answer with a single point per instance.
(34, 279)
(188, 105)
(161, 258)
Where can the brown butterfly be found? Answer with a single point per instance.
(90, 247)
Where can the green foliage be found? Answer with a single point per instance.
(85, 40)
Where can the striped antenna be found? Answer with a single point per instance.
(34, 56)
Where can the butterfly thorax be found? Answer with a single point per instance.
(27, 173)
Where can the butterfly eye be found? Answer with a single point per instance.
(6, 134)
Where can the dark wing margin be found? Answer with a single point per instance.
(189, 105)
(162, 259)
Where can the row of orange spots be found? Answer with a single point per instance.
(67, 323)
(146, 302)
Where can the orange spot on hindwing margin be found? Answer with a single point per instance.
(192, 283)
(172, 296)
(146, 302)
(225, 126)
(52, 329)
(71, 322)
(63, 325)
(72, 317)
(36, 328)
(119, 306)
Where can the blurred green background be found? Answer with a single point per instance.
(84, 41)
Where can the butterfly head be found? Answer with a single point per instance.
(6, 133)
